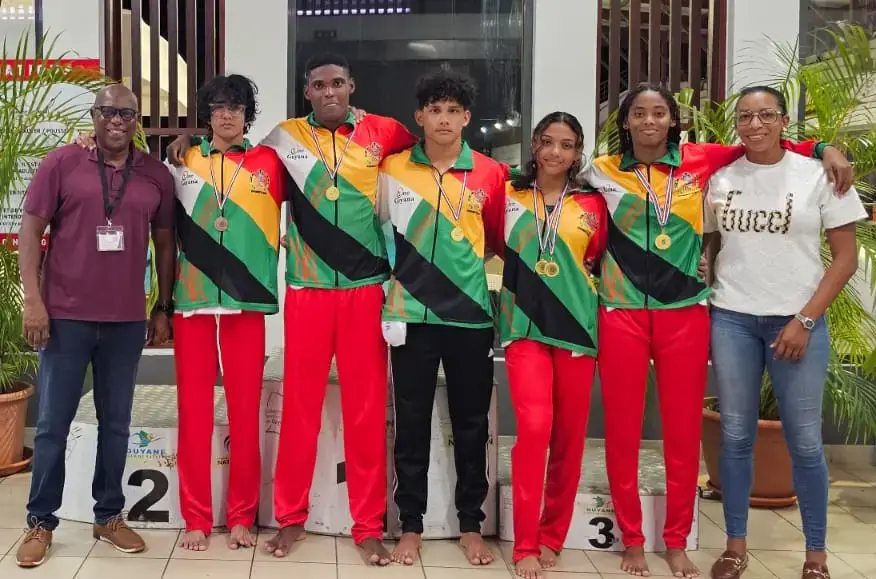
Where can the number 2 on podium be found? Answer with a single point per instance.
(141, 509)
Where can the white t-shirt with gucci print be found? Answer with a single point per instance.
(771, 218)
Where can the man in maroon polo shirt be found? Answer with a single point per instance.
(87, 306)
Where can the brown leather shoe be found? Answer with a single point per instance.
(34, 547)
(815, 571)
(729, 565)
(118, 534)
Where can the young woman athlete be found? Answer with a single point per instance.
(554, 233)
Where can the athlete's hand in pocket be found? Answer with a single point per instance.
(790, 344)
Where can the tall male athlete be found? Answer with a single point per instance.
(335, 269)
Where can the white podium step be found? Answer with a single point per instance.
(594, 525)
(150, 481)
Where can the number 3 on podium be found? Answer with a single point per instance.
(141, 511)
(604, 527)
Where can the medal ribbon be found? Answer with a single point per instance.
(455, 210)
(665, 211)
(547, 229)
(333, 172)
(222, 196)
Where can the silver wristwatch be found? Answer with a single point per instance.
(808, 323)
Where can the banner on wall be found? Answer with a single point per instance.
(67, 95)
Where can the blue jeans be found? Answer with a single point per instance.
(740, 352)
(113, 350)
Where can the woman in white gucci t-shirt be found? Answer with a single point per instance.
(766, 214)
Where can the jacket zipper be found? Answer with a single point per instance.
(648, 244)
(338, 201)
(435, 232)
(221, 211)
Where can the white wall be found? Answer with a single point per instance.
(79, 23)
(259, 52)
(564, 62)
(753, 27)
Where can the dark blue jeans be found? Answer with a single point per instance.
(113, 350)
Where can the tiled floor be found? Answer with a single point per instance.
(775, 540)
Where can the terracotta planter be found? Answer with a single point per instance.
(773, 484)
(13, 410)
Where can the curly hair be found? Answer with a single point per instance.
(234, 89)
(626, 140)
(529, 171)
(446, 85)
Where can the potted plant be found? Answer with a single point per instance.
(833, 88)
(31, 100)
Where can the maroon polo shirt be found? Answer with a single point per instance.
(78, 281)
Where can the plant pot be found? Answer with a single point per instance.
(773, 484)
(13, 410)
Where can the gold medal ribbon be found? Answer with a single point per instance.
(663, 211)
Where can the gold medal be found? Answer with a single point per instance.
(221, 224)
(457, 234)
(663, 242)
(332, 193)
(539, 266)
(551, 269)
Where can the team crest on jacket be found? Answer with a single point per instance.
(588, 222)
(476, 201)
(373, 154)
(686, 185)
(259, 182)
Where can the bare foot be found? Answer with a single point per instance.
(529, 568)
(375, 552)
(407, 550)
(680, 565)
(548, 557)
(194, 541)
(240, 536)
(476, 551)
(280, 543)
(634, 562)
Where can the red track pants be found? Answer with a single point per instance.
(199, 341)
(321, 324)
(678, 342)
(550, 391)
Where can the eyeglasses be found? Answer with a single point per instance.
(766, 117)
(109, 113)
(223, 108)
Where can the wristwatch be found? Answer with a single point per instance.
(163, 308)
(808, 323)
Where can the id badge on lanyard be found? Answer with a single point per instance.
(111, 237)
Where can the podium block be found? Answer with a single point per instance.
(150, 482)
(594, 525)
